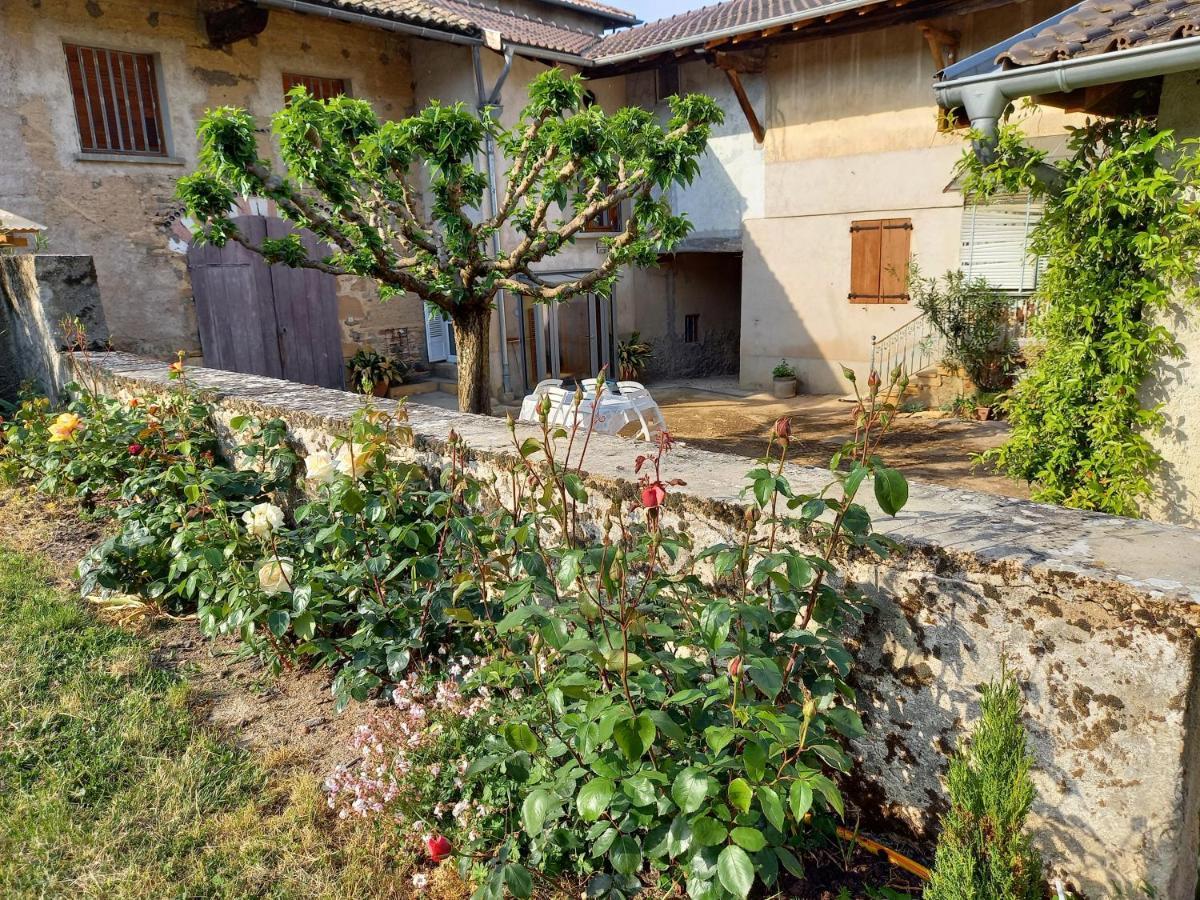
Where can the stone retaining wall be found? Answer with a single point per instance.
(1097, 614)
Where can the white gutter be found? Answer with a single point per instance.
(357, 18)
(985, 97)
(731, 31)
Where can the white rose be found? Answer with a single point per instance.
(263, 519)
(275, 576)
(319, 467)
(355, 459)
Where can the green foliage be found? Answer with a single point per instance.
(783, 369)
(973, 318)
(626, 708)
(1121, 239)
(355, 181)
(633, 355)
(984, 852)
(368, 367)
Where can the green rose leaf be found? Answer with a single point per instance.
(634, 737)
(891, 490)
(772, 807)
(800, 799)
(518, 880)
(739, 794)
(535, 809)
(626, 855)
(690, 789)
(594, 798)
(519, 737)
(708, 832)
(679, 837)
(735, 870)
(639, 790)
(718, 737)
(748, 838)
(278, 621)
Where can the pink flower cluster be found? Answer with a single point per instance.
(390, 745)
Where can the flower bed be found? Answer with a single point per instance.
(612, 704)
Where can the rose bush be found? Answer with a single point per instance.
(571, 697)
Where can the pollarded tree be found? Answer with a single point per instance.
(402, 202)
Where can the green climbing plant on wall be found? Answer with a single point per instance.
(1121, 239)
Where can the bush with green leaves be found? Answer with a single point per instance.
(639, 712)
(984, 852)
(1121, 239)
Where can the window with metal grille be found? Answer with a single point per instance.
(319, 88)
(995, 242)
(879, 251)
(118, 107)
(691, 328)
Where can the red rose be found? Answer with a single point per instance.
(135, 449)
(438, 846)
(653, 495)
(735, 667)
(783, 428)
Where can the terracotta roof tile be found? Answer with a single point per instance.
(412, 12)
(522, 29)
(1105, 26)
(611, 12)
(731, 15)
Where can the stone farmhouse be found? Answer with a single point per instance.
(830, 171)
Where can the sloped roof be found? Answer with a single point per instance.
(11, 223)
(710, 22)
(411, 12)
(1105, 26)
(521, 29)
(601, 9)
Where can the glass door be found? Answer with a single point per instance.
(571, 340)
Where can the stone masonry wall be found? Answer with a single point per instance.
(1097, 614)
(37, 291)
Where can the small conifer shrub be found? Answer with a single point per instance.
(984, 852)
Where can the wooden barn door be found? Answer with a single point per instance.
(267, 320)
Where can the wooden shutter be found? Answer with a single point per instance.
(879, 252)
(117, 103)
(319, 88)
(437, 337)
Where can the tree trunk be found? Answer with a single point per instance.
(471, 330)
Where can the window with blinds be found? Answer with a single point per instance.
(118, 108)
(995, 243)
(879, 252)
(319, 88)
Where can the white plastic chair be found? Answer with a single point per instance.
(643, 405)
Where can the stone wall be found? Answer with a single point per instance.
(38, 291)
(1097, 614)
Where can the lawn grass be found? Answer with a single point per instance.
(109, 789)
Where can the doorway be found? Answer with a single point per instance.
(263, 319)
(571, 340)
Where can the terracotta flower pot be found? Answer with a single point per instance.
(381, 388)
(983, 413)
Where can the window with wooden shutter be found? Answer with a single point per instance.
(879, 252)
(118, 108)
(319, 88)
(606, 221)
(995, 242)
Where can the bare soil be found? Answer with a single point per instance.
(925, 445)
(230, 690)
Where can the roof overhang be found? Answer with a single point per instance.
(985, 96)
(469, 35)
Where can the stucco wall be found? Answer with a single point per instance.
(1097, 615)
(852, 135)
(118, 212)
(1176, 382)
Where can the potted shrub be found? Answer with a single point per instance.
(632, 356)
(372, 372)
(784, 383)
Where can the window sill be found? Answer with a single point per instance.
(130, 158)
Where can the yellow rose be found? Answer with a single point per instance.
(64, 427)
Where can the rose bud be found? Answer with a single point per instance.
(653, 496)
(135, 449)
(783, 428)
(873, 380)
(438, 846)
(735, 668)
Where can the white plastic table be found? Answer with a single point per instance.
(613, 414)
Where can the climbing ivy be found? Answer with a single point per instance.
(1121, 240)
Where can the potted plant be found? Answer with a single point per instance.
(985, 402)
(632, 356)
(784, 384)
(372, 372)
